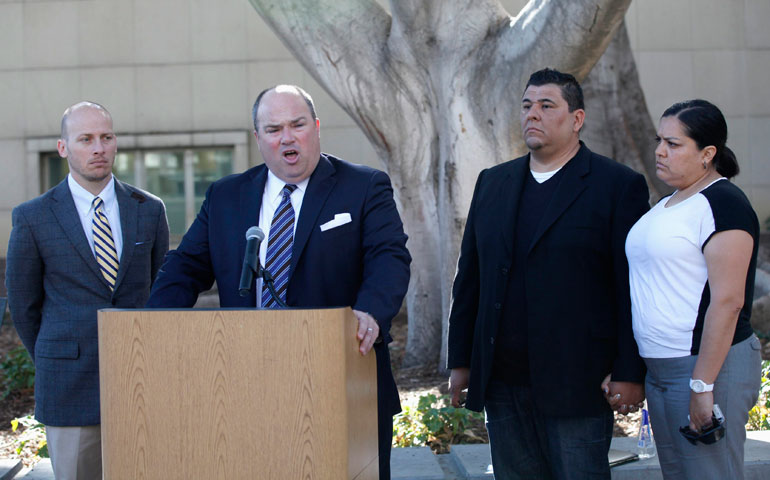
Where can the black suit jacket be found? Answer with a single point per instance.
(363, 264)
(578, 306)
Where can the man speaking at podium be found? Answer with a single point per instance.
(333, 238)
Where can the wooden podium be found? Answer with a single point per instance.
(236, 394)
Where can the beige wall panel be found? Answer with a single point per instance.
(163, 99)
(513, 7)
(12, 101)
(759, 151)
(760, 199)
(220, 97)
(47, 93)
(262, 43)
(738, 141)
(632, 25)
(262, 75)
(722, 28)
(11, 36)
(50, 34)
(219, 29)
(666, 77)
(348, 143)
(720, 78)
(757, 32)
(5, 231)
(665, 25)
(105, 33)
(162, 31)
(12, 159)
(115, 88)
(757, 73)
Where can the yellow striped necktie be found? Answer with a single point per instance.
(104, 246)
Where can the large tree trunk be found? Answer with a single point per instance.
(618, 123)
(435, 86)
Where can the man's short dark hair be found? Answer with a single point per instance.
(570, 88)
(300, 91)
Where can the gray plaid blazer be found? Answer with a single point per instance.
(55, 288)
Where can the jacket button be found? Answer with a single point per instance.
(114, 302)
(492, 340)
(498, 306)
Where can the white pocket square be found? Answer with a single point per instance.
(338, 220)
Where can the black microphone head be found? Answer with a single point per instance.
(255, 232)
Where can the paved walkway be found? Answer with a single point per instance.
(472, 462)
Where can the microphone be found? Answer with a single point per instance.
(254, 236)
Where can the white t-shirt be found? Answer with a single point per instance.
(668, 277)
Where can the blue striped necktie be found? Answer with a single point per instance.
(279, 247)
(104, 245)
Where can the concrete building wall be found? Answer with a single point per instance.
(195, 66)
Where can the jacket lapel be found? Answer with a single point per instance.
(63, 208)
(250, 202)
(128, 204)
(321, 183)
(510, 188)
(569, 188)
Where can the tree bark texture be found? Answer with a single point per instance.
(435, 86)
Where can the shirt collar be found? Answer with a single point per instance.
(274, 185)
(84, 199)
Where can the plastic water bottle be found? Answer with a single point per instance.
(645, 446)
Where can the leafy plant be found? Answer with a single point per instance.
(32, 437)
(436, 423)
(17, 372)
(759, 416)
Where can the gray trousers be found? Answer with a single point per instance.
(668, 397)
(76, 452)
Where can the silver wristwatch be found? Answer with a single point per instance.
(699, 386)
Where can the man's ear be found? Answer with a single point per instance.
(579, 116)
(61, 146)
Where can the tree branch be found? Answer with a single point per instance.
(349, 54)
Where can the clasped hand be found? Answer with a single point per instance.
(623, 397)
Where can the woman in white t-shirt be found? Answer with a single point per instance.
(692, 261)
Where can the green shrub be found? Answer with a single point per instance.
(759, 416)
(17, 372)
(32, 437)
(436, 423)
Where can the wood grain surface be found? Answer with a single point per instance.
(235, 394)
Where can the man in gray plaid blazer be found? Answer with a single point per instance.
(90, 242)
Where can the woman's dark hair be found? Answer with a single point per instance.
(705, 124)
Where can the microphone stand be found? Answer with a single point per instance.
(267, 280)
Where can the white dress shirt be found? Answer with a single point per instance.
(271, 198)
(84, 205)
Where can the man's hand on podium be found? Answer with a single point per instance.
(368, 331)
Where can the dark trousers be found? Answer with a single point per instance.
(384, 441)
(526, 444)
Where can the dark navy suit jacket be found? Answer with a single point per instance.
(363, 264)
(55, 288)
(578, 304)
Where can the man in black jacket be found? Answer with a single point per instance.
(540, 311)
